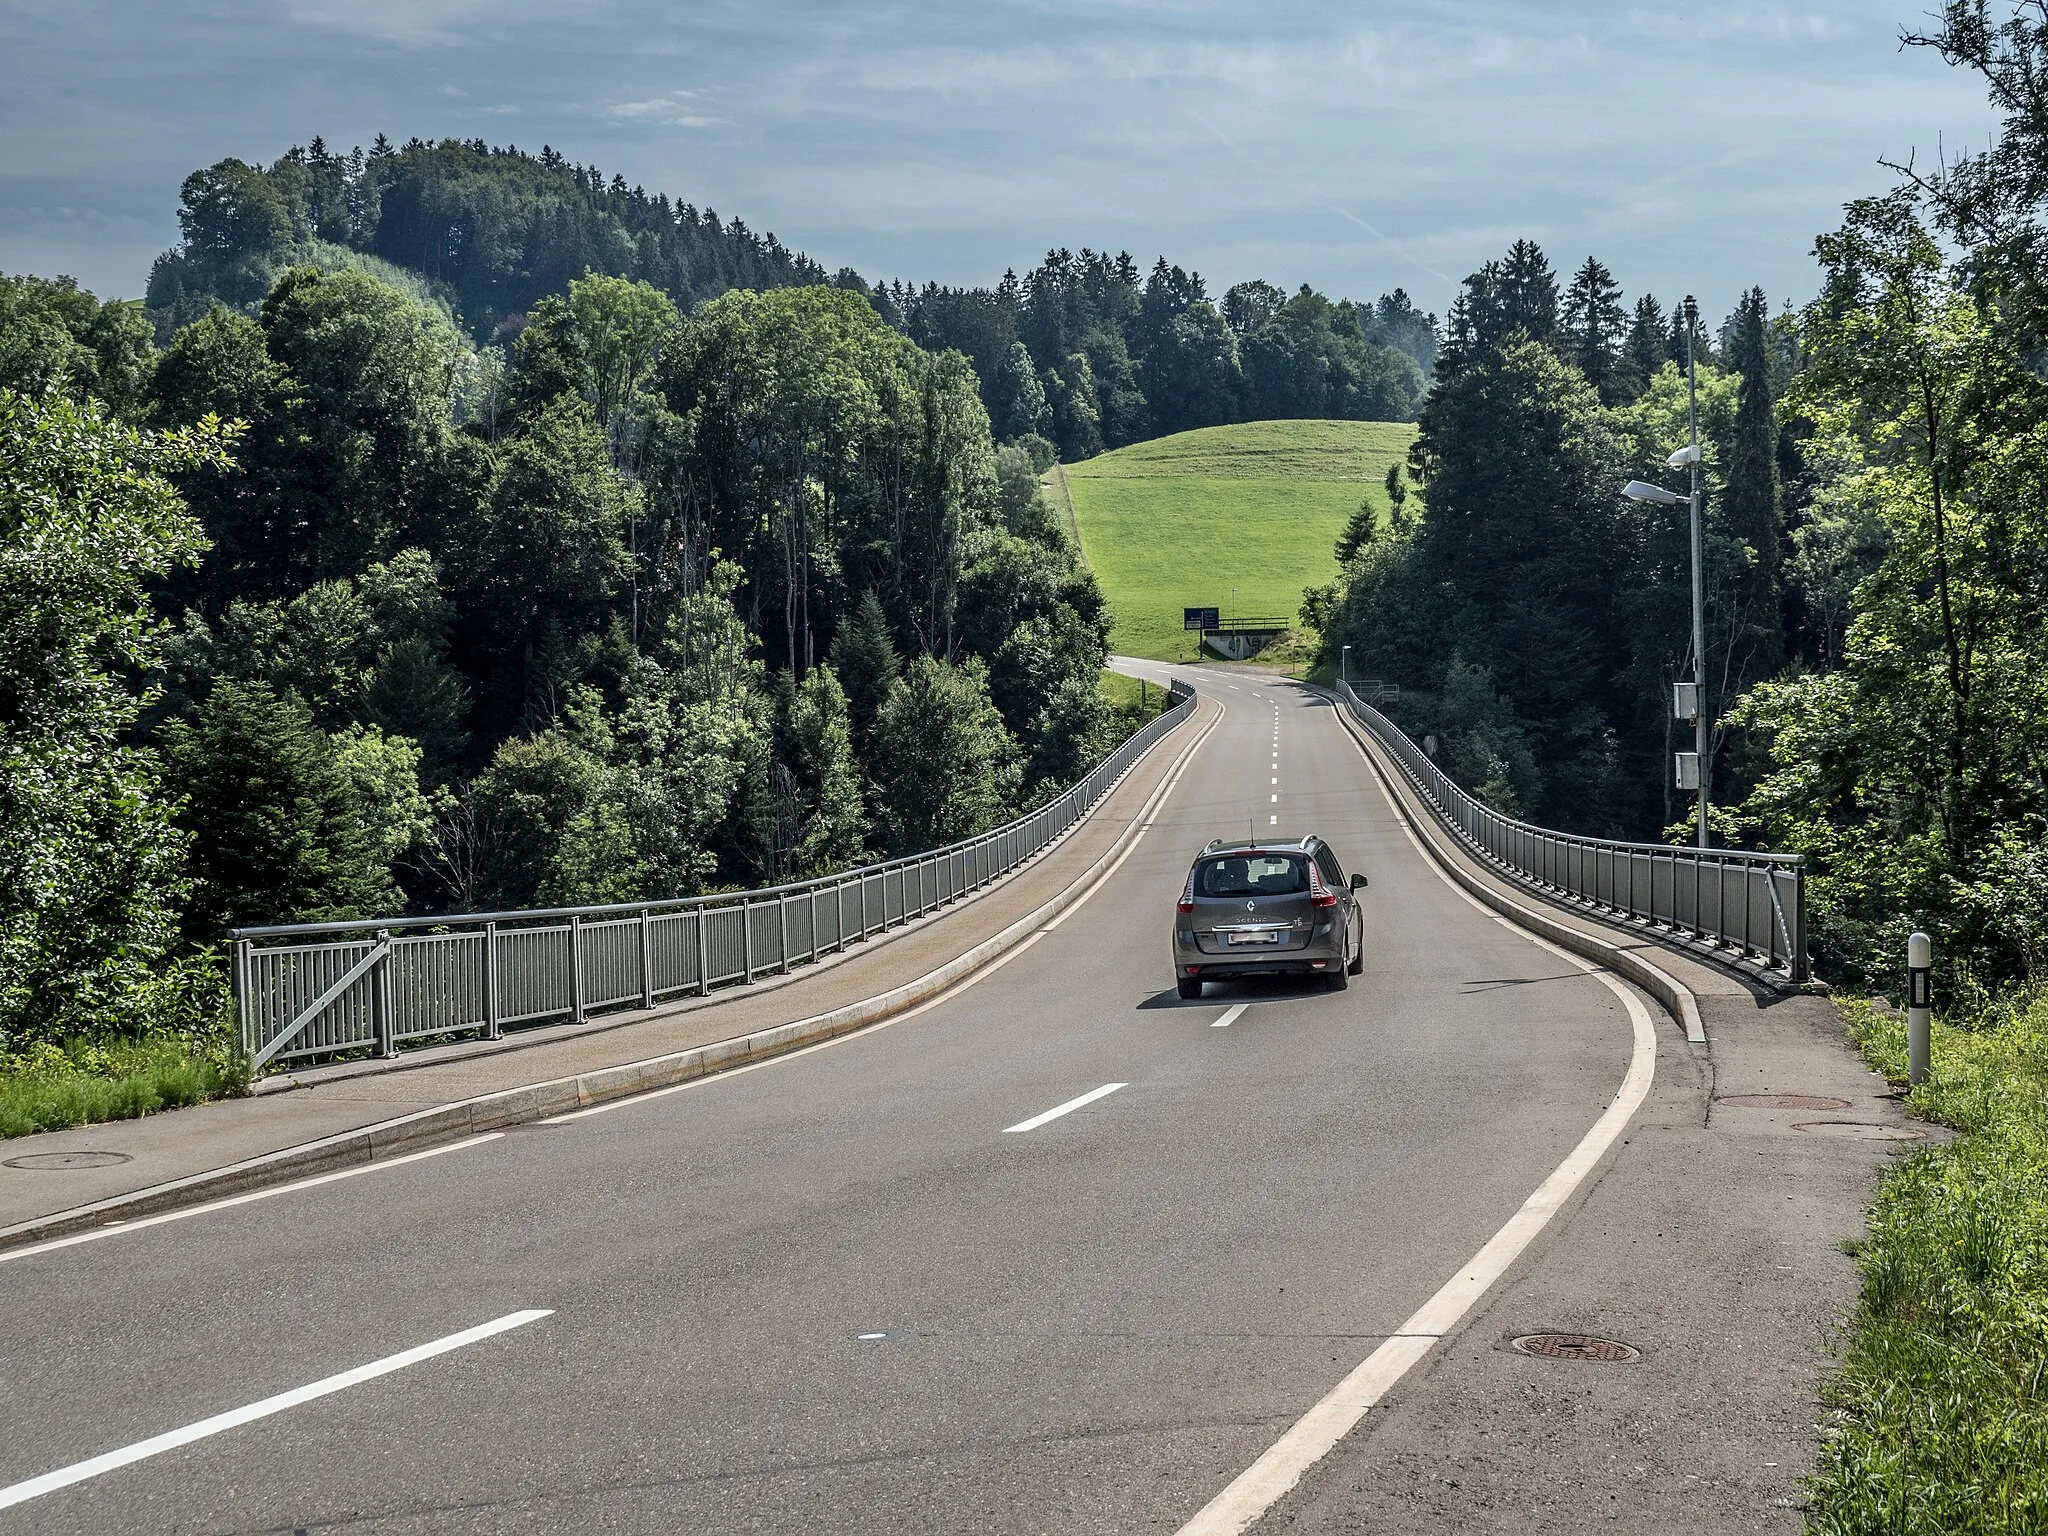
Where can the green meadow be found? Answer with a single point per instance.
(1239, 518)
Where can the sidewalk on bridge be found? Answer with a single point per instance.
(1712, 1241)
(291, 1111)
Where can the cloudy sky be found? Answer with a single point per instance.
(1353, 146)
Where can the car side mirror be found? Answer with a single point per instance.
(1358, 882)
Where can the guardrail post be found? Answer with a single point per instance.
(493, 1012)
(782, 920)
(646, 961)
(1919, 1008)
(576, 969)
(747, 939)
(380, 996)
(703, 957)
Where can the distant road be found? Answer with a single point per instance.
(1060, 1253)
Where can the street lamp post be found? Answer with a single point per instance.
(1638, 490)
(1344, 664)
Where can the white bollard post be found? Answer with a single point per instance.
(1919, 1005)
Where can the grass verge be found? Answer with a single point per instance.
(51, 1087)
(1939, 1411)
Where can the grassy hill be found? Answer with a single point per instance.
(1239, 518)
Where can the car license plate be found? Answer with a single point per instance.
(1255, 938)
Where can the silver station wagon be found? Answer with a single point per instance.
(1266, 909)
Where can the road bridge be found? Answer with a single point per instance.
(1056, 1252)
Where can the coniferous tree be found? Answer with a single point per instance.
(1751, 503)
(1360, 531)
(277, 834)
(1528, 293)
(1645, 351)
(1594, 322)
(864, 660)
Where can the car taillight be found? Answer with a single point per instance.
(1319, 894)
(1187, 895)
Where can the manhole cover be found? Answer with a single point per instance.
(69, 1160)
(1859, 1130)
(1782, 1101)
(1575, 1346)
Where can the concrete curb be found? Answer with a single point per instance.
(1676, 997)
(539, 1101)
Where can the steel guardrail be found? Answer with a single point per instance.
(1752, 903)
(305, 990)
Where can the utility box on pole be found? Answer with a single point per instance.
(1688, 770)
(1685, 701)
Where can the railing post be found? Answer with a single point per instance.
(747, 938)
(493, 1011)
(1802, 969)
(238, 987)
(782, 919)
(380, 996)
(576, 969)
(646, 960)
(814, 923)
(703, 955)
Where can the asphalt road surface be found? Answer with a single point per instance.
(849, 1290)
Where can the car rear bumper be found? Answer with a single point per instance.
(1314, 959)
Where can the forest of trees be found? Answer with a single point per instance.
(1875, 570)
(1536, 619)
(1087, 351)
(299, 624)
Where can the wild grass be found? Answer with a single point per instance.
(1240, 518)
(49, 1087)
(1939, 1410)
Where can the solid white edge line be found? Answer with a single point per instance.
(1064, 1109)
(1316, 1433)
(117, 1229)
(79, 1471)
(1165, 794)
(1231, 1017)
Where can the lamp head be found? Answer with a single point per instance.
(1689, 454)
(1638, 490)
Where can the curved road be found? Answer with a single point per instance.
(835, 1293)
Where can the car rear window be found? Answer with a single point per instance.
(1257, 874)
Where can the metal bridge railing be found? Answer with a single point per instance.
(320, 989)
(1753, 903)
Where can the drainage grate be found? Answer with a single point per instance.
(1860, 1130)
(58, 1160)
(1575, 1346)
(1782, 1101)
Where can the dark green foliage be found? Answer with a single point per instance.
(1363, 526)
(1643, 352)
(1593, 328)
(1119, 356)
(277, 831)
(91, 867)
(494, 229)
(54, 335)
(1751, 507)
(1515, 568)
(946, 767)
(864, 660)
